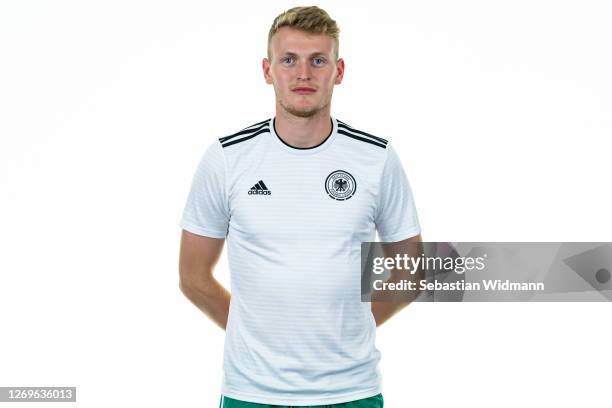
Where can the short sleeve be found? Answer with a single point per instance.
(206, 211)
(396, 217)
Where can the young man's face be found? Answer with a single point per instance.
(302, 70)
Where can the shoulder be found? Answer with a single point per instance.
(248, 133)
(360, 137)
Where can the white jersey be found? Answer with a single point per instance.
(294, 219)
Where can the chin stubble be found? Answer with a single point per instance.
(303, 113)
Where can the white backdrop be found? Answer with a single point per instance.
(500, 111)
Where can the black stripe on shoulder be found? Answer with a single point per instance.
(343, 125)
(249, 136)
(250, 129)
(363, 139)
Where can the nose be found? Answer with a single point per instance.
(303, 71)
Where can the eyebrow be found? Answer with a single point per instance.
(314, 54)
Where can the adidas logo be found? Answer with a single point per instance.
(259, 189)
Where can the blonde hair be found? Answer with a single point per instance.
(311, 19)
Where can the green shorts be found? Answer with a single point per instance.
(372, 402)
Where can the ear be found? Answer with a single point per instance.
(265, 65)
(339, 71)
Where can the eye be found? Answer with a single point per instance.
(287, 60)
(318, 61)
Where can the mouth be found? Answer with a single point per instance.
(303, 90)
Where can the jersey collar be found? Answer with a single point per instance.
(305, 150)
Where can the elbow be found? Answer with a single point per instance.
(187, 285)
(185, 281)
(190, 282)
(183, 286)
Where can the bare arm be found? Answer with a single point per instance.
(383, 310)
(198, 257)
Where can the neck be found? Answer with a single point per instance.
(303, 132)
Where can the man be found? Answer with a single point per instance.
(295, 196)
